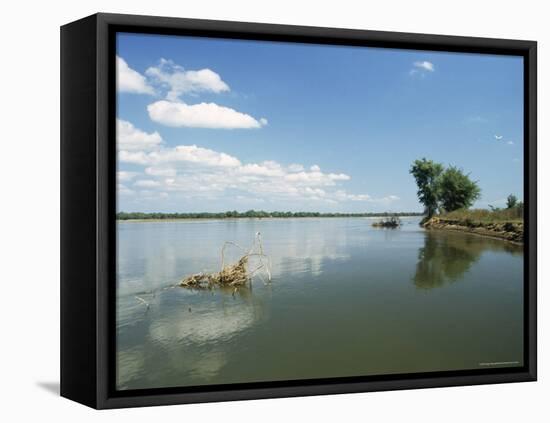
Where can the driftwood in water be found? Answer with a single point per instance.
(236, 274)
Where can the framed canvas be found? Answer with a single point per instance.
(256, 211)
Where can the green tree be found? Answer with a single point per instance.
(456, 190)
(427, 173)
(511, 201)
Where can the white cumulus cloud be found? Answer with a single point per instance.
(124, 190)
(195, 155)
(131, 138)
(129, 80)
(186, 154)
(180, 81)
(267, 168)
(135, 157)
(160, 171)
(147, 183)
(202, 115)
(315, 177)
(200, 173)
(425, 65)
(295, 167)
(125, 176)
(421, 68)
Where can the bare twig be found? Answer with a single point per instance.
(142, 301)
(236, 274)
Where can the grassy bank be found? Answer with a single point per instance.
(514, 215)
(504, 224)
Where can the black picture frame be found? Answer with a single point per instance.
(88, 162)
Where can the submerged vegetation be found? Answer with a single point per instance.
(249, 214)
(234, 275)
(391, 222)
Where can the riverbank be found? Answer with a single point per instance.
(195, 219)
(260, 214)
(510, 230)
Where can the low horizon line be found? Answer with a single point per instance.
(270, 211)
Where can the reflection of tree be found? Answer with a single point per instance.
(445, 257)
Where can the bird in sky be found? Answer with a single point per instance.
(498, 137)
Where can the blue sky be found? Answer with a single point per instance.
(215, 125)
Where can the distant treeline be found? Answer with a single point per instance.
(250, 213)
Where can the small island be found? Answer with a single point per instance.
(391, 222)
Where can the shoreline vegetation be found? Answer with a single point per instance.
(505, 224)
(447, 195)
(252, 214)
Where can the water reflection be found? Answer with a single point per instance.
(447, 256)
(156, 254)
(340, 289)
(215, 319)
(182, 336)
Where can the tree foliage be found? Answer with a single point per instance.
(457, 190)
(443, 189)
(427, 173)
(511, 201)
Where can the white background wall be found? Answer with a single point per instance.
(29, 171)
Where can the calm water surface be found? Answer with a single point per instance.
(346, 299)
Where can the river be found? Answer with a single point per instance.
(345, 299)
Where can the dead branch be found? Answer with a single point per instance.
(233, 275)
